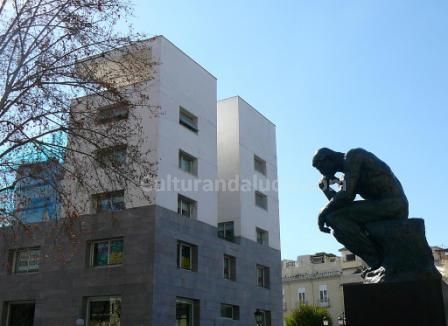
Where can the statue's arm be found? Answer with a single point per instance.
(324, 185)
(352, 169)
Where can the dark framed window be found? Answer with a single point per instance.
(229, 268)
(261, 200)
(109, 201)
(112, 156)
(26, 260)
(263, 276)
(187, 256)
(350, 257)
(259, 165)
(20, 313)
(106, 252)
(226, 230)
(112, 112)
(104, 311)
(317, 259)
(186, 207)
(188, 120)
(323, 295)
(230, 311)
(188, 163)
(301, 296)
(262, 236)
(187, 312)
(266, 319)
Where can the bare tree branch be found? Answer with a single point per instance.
(51, 53)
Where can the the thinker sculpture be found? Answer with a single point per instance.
(377, 227)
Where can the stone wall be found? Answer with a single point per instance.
(148, 281)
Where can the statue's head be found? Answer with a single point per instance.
(327, 161)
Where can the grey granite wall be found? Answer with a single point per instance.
(208, 284)
(148, 281)
(65, 279)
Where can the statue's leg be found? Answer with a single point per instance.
(353, 237)
(347, 224)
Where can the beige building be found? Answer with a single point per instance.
(441, 261)
(351, 266)
(317, 280)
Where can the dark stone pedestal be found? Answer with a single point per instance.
(418, 303)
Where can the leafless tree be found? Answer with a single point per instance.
(69, 84)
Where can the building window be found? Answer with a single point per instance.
(230, 311)
(188, 163)
(266, 319)
(323, 295)
(106, 252)
(261, 200)
(112, 112)
(36, 204)
(186, 207)
(350, 257)
(262, 236)
(290, 264)
(317, 259)
(263, 276)
(229, 268)
(114, 156)
(259, 165)
(36, 196)
(109, 201)
(20, 313)
(187, 256)
(188, 120)
(26, 260)
(187, 312)
(103, 311)
(301, 296)
(226, 231)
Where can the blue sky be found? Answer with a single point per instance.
(340, 74)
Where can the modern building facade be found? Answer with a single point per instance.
(178, 255)
(247, 157)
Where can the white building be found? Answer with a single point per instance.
(247, 157)
(179, 90)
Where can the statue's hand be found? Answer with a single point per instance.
(321, 222)
(324, 183)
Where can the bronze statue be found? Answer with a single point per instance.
(372, 179)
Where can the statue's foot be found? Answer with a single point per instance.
(373, 275)
(365, 271)
(374, 264)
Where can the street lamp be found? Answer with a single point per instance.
(325, 321)
(258, 317)
(342, 321)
